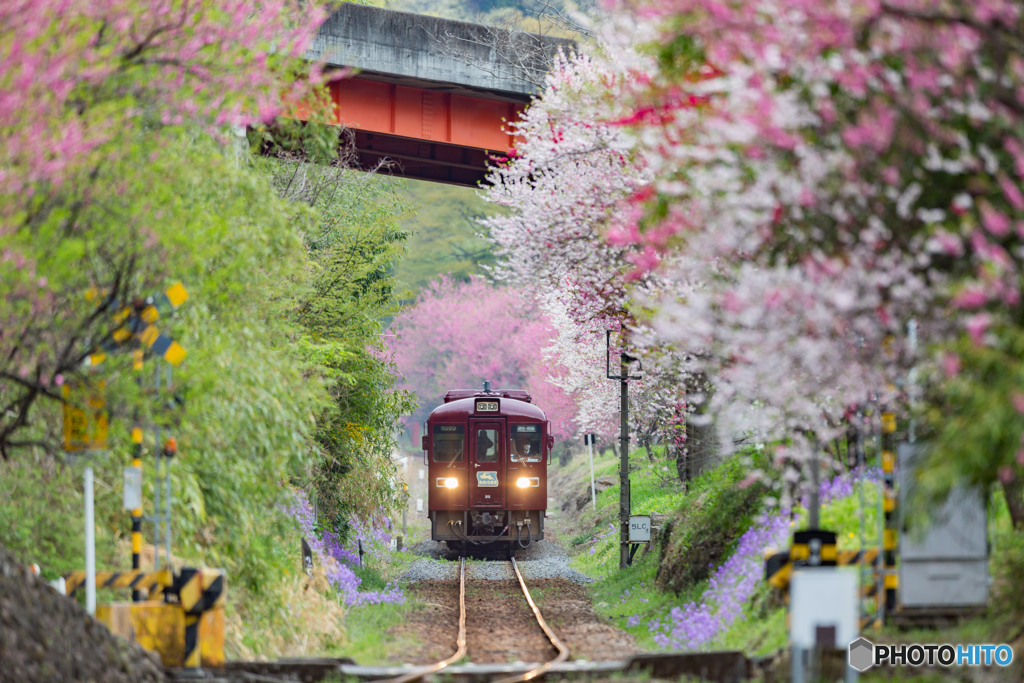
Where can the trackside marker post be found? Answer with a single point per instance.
(589, 438)
(90, 544)
(85, 429)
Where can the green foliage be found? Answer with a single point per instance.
(248, 402)
(444, 234)
(370, 641)
(711, 517)
(41, 514)
(349, 222)
(1008, 574)
(973, 429)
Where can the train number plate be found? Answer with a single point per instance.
(486, 478)
(486, 406)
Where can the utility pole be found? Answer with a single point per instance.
(624, 503)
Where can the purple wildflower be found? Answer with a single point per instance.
(694, 625)
(338, 559)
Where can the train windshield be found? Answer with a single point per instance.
(526, 440)
(487, 445)
(449, 443)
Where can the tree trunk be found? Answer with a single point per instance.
(682, 463)
(1014, 493)
(701, 447)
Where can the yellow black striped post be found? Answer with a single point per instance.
(891, 579)
(137, 358)
(847, 557)
(137, 513)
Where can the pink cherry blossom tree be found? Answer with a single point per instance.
(570, 175)
(96, 99)
(796, 185)
(459, 334)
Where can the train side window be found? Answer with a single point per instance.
(449, 443)
(525, 443)
(487, 445)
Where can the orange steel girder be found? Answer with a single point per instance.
(423, 114)
(426, 134)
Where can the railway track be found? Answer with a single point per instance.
(719, 667)
(460, 652)
(460, 642)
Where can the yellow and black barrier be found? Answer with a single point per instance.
(153, 582)
(186, 628)
(201, 594)
(137, 513)
(778, 566)
(811, 548)
(847, 557)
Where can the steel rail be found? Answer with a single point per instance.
(460, 641)
(563, 651)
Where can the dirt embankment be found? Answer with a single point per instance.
(47, 637)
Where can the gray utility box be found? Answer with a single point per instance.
(948, 567)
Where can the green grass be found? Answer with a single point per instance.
(368, 640)
(761, 629)
(366, 627)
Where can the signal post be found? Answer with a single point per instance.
(624, 503)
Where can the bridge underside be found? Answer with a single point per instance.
(422, 159)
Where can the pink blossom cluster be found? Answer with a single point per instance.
(459, 334)
(74, 72)
(768, 193)
(569, 173)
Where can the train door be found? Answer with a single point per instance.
(486, 482)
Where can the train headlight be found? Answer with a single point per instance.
(451, 482)
(523, 483)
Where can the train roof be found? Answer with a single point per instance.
(517, 394)
(459, 404)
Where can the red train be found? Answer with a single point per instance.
(487, 453)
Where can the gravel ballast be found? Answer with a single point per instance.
(543, 560)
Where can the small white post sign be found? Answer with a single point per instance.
(132, 488)
(640, 529)
(419, 505)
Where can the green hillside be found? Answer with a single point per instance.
(443, 226)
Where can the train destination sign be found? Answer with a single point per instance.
(640, 529)
(486, 406)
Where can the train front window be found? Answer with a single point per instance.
(487, 445)
(449, 443)
(526, 440)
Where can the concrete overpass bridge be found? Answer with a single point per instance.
(430, 94)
